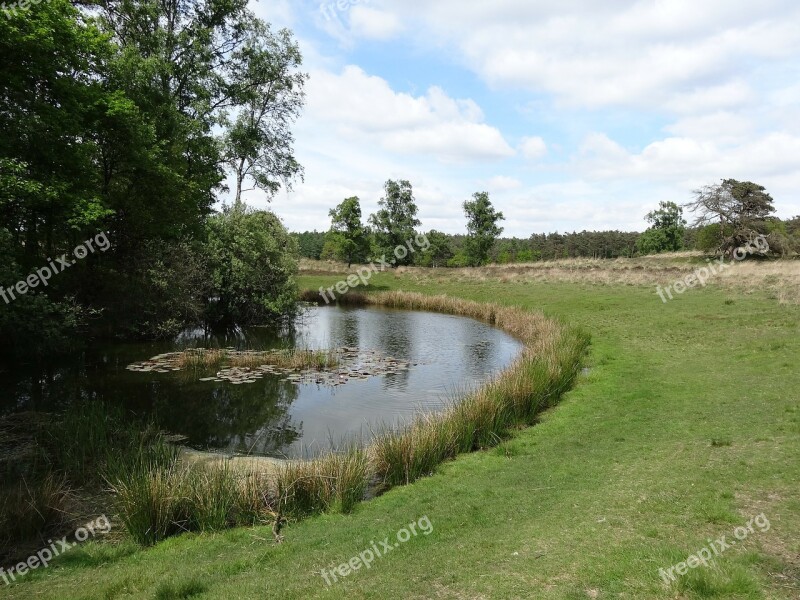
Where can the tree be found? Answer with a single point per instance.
(310, 243)
(666, 231)
(394, 224)
(348, 236)
(739, 208)
(253, 264)
(259, 143)
(439, 250)
(482, 228)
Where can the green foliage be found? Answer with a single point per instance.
(310, 243)
(653, 241)
(163, 289)
(741, 208)
(396, 221)
(666, 232)
(459, 260)
(711, 237)
(439, 251)
(252, 263)
(349, 238)
(259, 142)
(524, 256)
(123, 122)
(482, 228)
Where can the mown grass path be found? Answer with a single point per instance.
(686, 426)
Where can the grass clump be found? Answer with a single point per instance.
(289, 358)
(159, 501)
(331, 483)
(29, 507)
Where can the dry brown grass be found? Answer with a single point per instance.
(296, 359)
(779, 279)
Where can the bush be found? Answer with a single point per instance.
(253, 263)
(711, 237)
(652, 241)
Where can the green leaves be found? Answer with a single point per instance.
(118, 120)
(482, 228)
(348, 237)
(252, 264)
(667, 231)
(396, 221)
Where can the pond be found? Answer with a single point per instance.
(397, 364)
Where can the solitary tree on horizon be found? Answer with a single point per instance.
(394, 225)
(739, 209)
(482, 228)
(349, 236)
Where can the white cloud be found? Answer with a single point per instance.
(365, 107)
(374, 24)
(533, 148)
(616, 53)
(503, 183)
(721, 126)
(684, 163)
(686, 92)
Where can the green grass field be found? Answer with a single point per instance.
(685, 426)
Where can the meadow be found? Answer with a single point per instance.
(683, 426)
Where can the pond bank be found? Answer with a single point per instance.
(164, 495)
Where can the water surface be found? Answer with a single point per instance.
(447, 355)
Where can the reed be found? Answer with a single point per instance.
(335, 482)
(291, 359)
(30, 508)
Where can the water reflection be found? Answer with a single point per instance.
(274, 417)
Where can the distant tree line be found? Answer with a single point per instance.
(729, 214)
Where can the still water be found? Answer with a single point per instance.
(446, 356)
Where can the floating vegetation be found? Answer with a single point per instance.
(300, 367)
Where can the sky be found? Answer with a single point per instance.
(574, 115)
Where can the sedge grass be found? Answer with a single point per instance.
(291, 358)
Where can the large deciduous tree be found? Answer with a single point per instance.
(395, 223)
(259, 142)
(115, 119)
(482, 228)
(666, 231)
(348, 235)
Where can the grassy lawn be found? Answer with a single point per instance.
(685, 426)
